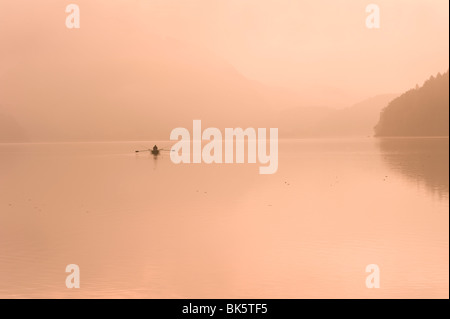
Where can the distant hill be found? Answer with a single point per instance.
(356, 120)
(132, 90)
(297, 121)
(423, 111)
(10, 131)
(123, 82)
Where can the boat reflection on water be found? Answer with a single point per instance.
(423, 160)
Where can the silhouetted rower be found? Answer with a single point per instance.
(155, 150)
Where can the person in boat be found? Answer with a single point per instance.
(155, 150)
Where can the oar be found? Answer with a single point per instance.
(159, 150)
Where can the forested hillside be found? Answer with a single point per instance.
(423, 111)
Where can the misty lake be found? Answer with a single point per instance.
(143, 227)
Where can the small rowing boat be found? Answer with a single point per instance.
(155, 150)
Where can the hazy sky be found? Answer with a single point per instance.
(288, 43)
(313, 42)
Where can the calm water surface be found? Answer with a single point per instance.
(143, 227)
